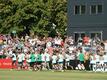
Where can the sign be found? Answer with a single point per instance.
(6, 64)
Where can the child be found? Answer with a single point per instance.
(54, 61)
(81, 59)
(32, 62)
(60, 61)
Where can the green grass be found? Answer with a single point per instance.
(49, 75)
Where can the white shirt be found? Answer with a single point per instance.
(67, 57)
(14, 57)
(60, 56)
(23, 56)
(54, 59)
(92, 61)
(20, 58)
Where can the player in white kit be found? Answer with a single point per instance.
(54, 61)
(60, 61)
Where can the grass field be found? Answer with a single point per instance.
(49, 75)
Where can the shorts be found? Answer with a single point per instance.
(28, 63)
(13, 62)
(60, 62)
(43, 61)
(20, 64)
(97, 62)
(54, 63)
(47, 61)
(67, 61)
(71, 62)
(92, 63)
(32, 64)
(81, 62)
(39, 62)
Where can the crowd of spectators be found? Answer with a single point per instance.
(58, 53)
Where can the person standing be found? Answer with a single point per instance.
(67, 60)
(54, 61)
(39, 61)
(32, 62)
(14, 58)
(27, 56)
(20, 60)
(81, 59)
(60, 61)
(105, 61)
(87, 60)
(23, 59)
(47, 56)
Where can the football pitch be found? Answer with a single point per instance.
(49, 75)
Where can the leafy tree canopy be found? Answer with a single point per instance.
(41, 16)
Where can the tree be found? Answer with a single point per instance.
(33, 15)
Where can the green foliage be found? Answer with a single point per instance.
(35, 15)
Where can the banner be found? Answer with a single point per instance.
(6, 64)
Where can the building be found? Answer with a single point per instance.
(87, 17)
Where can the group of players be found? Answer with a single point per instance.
(40, 60)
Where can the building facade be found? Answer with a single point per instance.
(87, 17)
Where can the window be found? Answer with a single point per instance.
(83, 9)
(93, 9)
(96, 9)
(77, 9)
(80, 9)
(99, 8)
